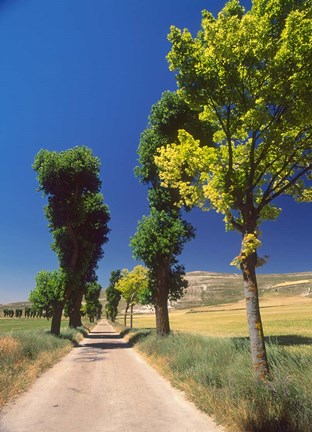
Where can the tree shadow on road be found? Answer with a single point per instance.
(110, 341)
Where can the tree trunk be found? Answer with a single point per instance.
(131, 316)
(162, 318)
(73, 294)
(161, 303)
(74, 312)
(56, 318)
(258, 351)
(125, 316)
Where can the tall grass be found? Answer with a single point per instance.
(216, 374)
(25, 354)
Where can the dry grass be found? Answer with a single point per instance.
(24, 356)
(216, 374)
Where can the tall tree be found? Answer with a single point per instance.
(161, 236)
(249, 75)
(134, 288)
(93, 306)
(159, 239)
(49, 296)
(77, 217)
(113, 296)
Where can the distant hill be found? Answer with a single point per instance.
(209, 288)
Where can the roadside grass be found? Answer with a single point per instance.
(216, 375)
(25, 354)
(208, 357)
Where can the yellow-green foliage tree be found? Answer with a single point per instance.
(134, 288)
(249, 75)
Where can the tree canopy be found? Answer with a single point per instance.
(93, 306)
(249, 76)
(77, 217)
(113, 295)
(48, 296)
(161, 235)
(134, 287)
(159, 240)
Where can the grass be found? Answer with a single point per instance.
(212, 365)
(26, 353)
(9, 325)
(216, 374)
(22, 324)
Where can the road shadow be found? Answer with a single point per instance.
(103, 336)
(110, 341)
(103, 332)
(107, 345)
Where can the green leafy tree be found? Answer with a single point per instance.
(161, 236)
(249, 75)
(113, 296)
(77, 217)
(92, 305)
(48, 296)
(158, 241)
(134, 288)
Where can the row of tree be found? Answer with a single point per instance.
(247, 78)
(78, 221)
(235, 136)
(10, 313)
(133, 286)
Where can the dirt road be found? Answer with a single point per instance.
(103, 385)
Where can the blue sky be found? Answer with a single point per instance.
(87, 72)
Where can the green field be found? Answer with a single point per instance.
(11, 325)
(8, 325)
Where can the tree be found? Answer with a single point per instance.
(113, 296)
(134, 288)
(48, 296)
(249, 75)
(158, 241)
(161, 236)
(93, 306)
(77, 217)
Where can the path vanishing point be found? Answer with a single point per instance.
(103, 385)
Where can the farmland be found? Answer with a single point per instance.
(289, 316)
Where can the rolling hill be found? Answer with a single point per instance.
(209, 288)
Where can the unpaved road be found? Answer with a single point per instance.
(103, 385)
